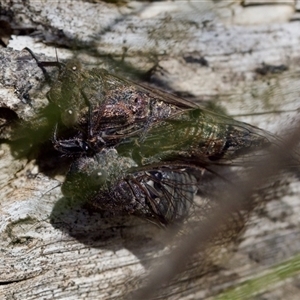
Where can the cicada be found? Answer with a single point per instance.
(136, 150)
(108, 181)
(110, 111)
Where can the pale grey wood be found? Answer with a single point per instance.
(83, 256)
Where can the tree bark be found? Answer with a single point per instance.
(222, 54)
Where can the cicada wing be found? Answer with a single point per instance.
(164, 196)
(196, 136)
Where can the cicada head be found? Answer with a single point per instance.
(65, 93)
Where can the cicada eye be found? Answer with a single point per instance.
(69, 117)
(73, 66)
(84, 146)
(157, 174)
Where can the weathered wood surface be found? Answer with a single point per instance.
(53, 250)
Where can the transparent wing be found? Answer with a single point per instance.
(197, 137)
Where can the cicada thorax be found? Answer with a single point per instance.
(128, 113)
